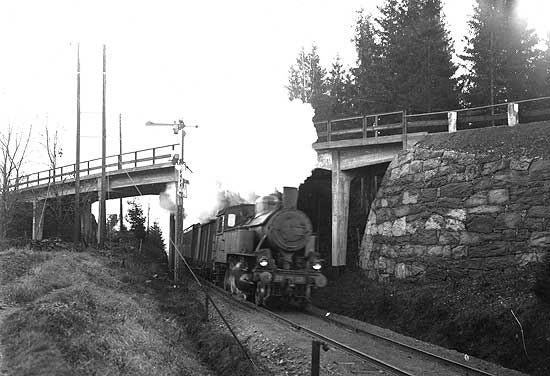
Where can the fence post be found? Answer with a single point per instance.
(452, 117)
(364, 126)
(328, 130)
(513, 112)
(404, 129)
(375, 126)
(315, 357)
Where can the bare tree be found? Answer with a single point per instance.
(13, 148)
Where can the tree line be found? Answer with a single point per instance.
(405, 62)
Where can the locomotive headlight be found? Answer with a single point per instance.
(316, 266)
(263, 262)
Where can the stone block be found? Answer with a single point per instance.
(428, 175)
(439, 251)
(403, 270)
(522, 234)
(498, 196)
(525, 259)
(477, 199)
(449, 238)
(540, 239)
(410, 250)
(471, 172)
(450, 155)
(435, 222)
(509, 235)
(427, 237)
(399, 227)
(509, 220)
(421, 153)
(497, 248)
(540, 169)
(539, 212)
(459, 214)
(401, 211)
(450, 202)
(534, 224)
(431, 164)
(483, 184)
(469, 238)
(485, 209)
(480, 223)
(428, 194)
(453, 224)
(410, 198)
(383, 215)
(511, 176)
(416, 166)
(492, 167)
(383, 203)
(434, 154)
(460, 251)
(521, 164)
(456, 190)
(385, 228)
(388, 251)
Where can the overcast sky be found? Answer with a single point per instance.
(221, 65)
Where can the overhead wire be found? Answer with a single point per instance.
(204, 289)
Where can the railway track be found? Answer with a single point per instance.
(310, 323)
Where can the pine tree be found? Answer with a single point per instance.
(500, 54)
(136, 219)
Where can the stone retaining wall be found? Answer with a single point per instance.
(441, 213)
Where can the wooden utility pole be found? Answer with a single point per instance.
(103, 189)
(76, 233)
(120, 167)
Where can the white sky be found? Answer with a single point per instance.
(219, 64)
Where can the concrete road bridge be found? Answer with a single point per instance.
(349, 146)
(140, 172)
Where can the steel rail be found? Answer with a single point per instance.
(380, 364)
(350, 350)
(401, 344)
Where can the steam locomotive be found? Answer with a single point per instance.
(264, 252)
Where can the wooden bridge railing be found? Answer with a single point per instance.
(137, 158)
(399, 123)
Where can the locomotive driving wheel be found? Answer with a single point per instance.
(230, 279)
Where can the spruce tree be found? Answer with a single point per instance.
(136, 219)
(501, 55)
(404, 59)
(306, 78)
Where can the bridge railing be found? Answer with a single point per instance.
(400, 123)
(136, 158)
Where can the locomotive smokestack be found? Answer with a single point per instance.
(290, 197)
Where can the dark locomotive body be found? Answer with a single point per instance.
(266, 251)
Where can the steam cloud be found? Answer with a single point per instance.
(167, 199)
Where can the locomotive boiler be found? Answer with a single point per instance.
(264, 251)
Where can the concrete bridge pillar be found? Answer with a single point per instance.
(341, 182)
(88, 225)
(38, 213)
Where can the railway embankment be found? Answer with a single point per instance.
(108, 312)
(456, 243)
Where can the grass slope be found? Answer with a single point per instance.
(82, 314)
